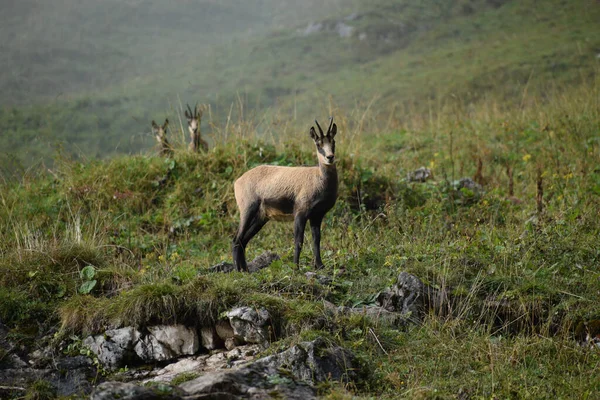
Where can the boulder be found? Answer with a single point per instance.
(253, 381)
(405, 297)
(114, 348)
(166, 342)
(250, 325)
(315, 362)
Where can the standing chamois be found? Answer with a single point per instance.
(270, 192)
(160, 132)
(194, 119)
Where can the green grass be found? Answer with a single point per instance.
(521, 282)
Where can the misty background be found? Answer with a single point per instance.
(85, 78)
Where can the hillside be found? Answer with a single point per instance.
(511, 267)
(395, 57)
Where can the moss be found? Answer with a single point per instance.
(40, 390)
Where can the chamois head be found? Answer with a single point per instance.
(194, 118)
(160, 132)
(325, 143)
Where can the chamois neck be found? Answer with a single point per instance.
(327, 171)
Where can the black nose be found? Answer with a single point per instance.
(330, 158)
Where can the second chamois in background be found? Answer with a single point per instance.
(160, 133)
(194, 119)
(302, 194)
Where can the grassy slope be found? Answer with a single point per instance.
(415, 57)
(522, 281)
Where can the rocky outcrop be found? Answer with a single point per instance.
(115, 347)
(167, 343)
(405, 297)
(128, 346)
(253, 381)
(250, 325)
(315, 362)
(231, 376)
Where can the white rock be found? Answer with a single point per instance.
(167, 342)
(249, 324)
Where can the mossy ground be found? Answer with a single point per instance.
(521, 278)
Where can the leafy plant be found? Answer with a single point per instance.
(87, 275)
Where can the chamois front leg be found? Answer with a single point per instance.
(315, 227)
(299, 225)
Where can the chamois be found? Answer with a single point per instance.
(160, 132)
(270, 192)
(194, 119)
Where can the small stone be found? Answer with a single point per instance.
(419, 175)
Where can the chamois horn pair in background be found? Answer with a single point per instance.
(196, 144)
(301, 194)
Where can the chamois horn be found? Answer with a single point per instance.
(320, 129)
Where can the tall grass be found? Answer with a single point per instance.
(515, 280)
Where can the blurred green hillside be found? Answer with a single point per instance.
(88, 77)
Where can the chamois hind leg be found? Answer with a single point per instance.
(238, 247)
(299, 225)
(315, 227)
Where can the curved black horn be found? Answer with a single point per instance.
(190, 110)
(196, 109)
(320, 129)
(330, 125)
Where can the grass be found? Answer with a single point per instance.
(521, 274)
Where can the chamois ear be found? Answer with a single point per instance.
(313, 134)
(333, 130)
(187, 115)
(166, 124)
(154, 126)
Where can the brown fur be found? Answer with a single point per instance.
(160, 133)
(194, 119)
(277, 193)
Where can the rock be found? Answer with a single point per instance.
(419, 175)
(250, 325)
(168, 373)
(130, 391)
(167, 342)
(210, 338)
(315, 362)
(468, 191)
(405, 297)
(114, 349)
(260, 262)
(322, 279)
(223, 266)
(253, 381)
(70, 376)
(378, 314)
